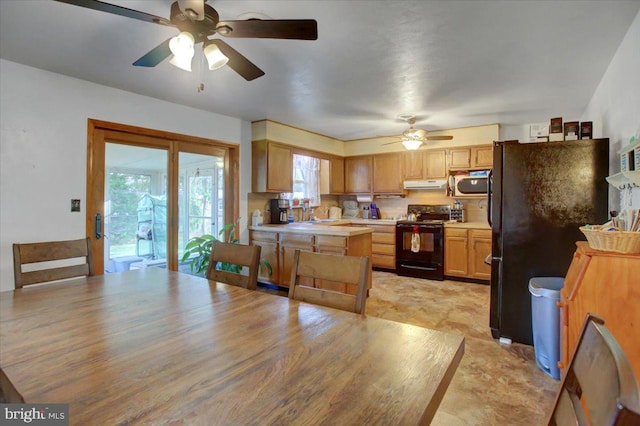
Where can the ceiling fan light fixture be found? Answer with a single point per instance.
(411, 145)
(182, 48)
(215, 58)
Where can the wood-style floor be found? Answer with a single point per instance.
(494, 384)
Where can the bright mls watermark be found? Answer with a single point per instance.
(34, 414)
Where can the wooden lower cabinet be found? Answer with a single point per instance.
(289, 243)
(383, 245)
(456, 252)
(479, 249)
(465, 251)
(605, 284)
(268, 241)
(279, 249)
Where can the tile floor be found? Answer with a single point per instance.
(494, 384)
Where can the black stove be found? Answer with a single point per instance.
(427, 214)
(420, 241)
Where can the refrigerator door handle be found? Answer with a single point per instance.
(489, 189)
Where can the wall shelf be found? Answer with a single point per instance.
(624, 179)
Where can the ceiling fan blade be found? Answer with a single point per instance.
(119, 10)
(439, 138)
(247, 69)
(155, 55)
(391, 143)
(299, 29)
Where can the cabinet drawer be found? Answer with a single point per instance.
(456, 232)
(331, 241)
(264, 236)
(384, 229)
(383, 238)
(480, 233)
(383, 249)
(296, 239)
(383, 261)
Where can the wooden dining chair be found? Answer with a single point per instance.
(599, 387)
(332, 268)
(36, 253)
(235, 254)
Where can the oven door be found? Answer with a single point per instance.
(420, 251)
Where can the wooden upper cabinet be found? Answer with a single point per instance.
(482, 156)
(425, 164)
(272, 166)
(436, 164)
(460, 158)
(414, 165)
(336, 176)
(332, 176)
(357, 174)
(387, 173)
(475, 157)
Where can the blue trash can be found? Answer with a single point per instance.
(545, 320)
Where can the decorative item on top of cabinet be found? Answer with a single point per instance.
(272, 166)
(425, 164)
(464, 253)
(604, 284)
(387, 174)
(357, 174)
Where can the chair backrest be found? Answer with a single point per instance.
(600, 378)
(34, 253)
(337, 269)
(235, 254)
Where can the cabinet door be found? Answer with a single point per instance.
(414, 165)
(289, 243)
(456, 253)
(436, 165)
(336, 176)
(269, 253)
(460, 158)
(279, 169)
(480, 248)
(357, 171)
(387, 174)
(482, 156)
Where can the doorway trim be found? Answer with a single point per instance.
(98, 132)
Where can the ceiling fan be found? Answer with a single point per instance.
(413, 139)
(198, 22)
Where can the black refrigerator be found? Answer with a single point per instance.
(539, 195)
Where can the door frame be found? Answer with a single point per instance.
(100, 132)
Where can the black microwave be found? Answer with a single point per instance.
(466, 185)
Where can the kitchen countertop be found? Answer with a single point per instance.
(336, 228)
(467, 225)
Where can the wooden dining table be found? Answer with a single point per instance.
(152, 346)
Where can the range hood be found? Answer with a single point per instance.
(425, 184)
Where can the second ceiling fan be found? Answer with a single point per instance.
(198, 22)
(413, 139)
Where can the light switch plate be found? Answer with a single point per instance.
(75, 205)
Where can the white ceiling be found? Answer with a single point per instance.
(451, 63)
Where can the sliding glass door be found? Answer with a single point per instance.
(147, 196)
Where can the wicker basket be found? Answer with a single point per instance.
(616, 241)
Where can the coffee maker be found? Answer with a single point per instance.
(278, 209)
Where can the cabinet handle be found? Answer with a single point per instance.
(561, 365)
(560, 304)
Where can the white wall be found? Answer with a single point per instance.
(615, 106)
(43, 147)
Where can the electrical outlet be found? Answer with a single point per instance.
(75, 205)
